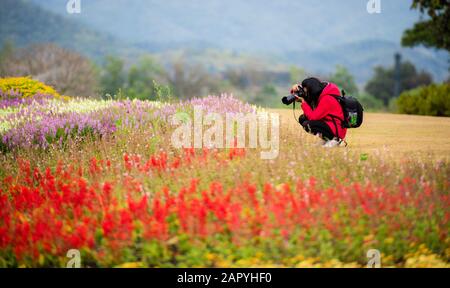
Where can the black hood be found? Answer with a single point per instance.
(315, 88)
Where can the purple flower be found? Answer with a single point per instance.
(37, 123)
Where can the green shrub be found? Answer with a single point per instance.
(370, 103)
(392, 105)
(433, 100)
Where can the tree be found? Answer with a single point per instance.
(143, 78)
(237, 78)
(296, 74)
(67, 71)
(430, 100)
(370, 103)
(266, 95)
(432, 32)
(6, 53)
(344, 80)
(191, 80)
(113, 78)
(382, 84)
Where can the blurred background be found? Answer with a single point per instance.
(255, 49)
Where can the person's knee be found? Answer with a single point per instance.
(306, 124)
(318, 128)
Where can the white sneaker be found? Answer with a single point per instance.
(321, 142)
(331, 143)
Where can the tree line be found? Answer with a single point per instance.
(73, 74)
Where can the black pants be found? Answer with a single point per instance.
(316, 127)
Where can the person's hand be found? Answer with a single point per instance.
(295, 89)
(298, 99)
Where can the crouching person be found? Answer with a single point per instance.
(323, 115)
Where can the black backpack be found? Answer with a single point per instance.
(353, 111)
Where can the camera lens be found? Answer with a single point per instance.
(288, 100)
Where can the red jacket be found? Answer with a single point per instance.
(327, 105)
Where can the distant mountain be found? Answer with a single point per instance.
(309, 33)
(250, 25)
(360, 58)
(313, 34)
(24, 22)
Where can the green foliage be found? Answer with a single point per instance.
(433, 100)
(266, 95)
(382, 84)
(143, 79)
(296, 74)
(163, 93)
(113, 77)
(392, 105)
(370, 103)
(5, 53)
(189, 79)
(344, 80)
(433, 32)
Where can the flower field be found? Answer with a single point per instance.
(102, 177)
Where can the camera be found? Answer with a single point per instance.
(288, 100)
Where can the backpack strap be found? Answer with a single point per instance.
(337, 97)
(333, 118)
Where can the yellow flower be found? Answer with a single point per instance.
(131, 265)
(210, 257)
(307, 263)
(447, 252)
(389, 240)
(27, 87)
(223, 264)
(369, 238)
(426, 261)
